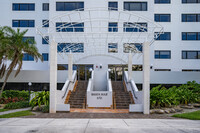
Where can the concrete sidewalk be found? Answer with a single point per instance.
(27, 125)
(15, 110)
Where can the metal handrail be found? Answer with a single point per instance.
(68, 86)
(127, 82)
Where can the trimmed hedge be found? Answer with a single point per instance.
(15, 93)
(10, 100)
(184, 94)
(17, 105)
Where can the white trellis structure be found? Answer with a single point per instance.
(93, 32)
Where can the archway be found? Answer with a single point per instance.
(89, 32)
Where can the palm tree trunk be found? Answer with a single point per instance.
(12, 65)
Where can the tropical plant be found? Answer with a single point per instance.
(12, 48)
(45, 109)
(41, 98)
(184, 94)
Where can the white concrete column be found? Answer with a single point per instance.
(130, 58)
(53, 76)
(146, 77)
(70, 66)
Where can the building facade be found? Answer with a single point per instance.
(177, 49)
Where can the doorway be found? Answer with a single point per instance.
(83, 71)
(117, 71)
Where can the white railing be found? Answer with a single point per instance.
(90, 83)
(69, 85)
(133, 88)
(137, 95)
(99, 98)
(109, 83)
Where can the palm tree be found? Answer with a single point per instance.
(12, 48)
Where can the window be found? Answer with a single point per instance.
(162, 18)
(45, 56)
(135, 6)
(45, 6)
(190, 17)
(75, 67)
(190, 1)
(30, 39)
(23, 7)
(190, 35)
(74, 47)
(27, 57)
(112, 27)
(135, 27)
(45, 40)
(190, 54)
(162, 69)
(112, 6)
(69, 6)
(132, 47)
(191, 70)
(162, 1)
(165, 36)
(23, 23)
(112, 48)
(45, 23)
(162, 54)
(69, 27)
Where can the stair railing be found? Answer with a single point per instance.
(67, 83)
(90, 83)
(132, 83)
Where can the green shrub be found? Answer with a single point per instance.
(184, 94)
(17, 105)
(15, 93)
(10, 100)
(45, 109)
(41, 98)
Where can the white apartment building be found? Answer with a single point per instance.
(101, 34)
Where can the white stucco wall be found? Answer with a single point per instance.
(176, 45)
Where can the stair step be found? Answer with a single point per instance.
(77, 98)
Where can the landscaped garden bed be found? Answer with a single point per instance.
(175, 99)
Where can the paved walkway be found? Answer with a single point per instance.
(29, 125)
(15, 110)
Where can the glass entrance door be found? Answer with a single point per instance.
(116, 73)
(84, 72)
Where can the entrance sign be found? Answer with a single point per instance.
(99, 99)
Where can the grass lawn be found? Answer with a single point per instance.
(17, 114)
(2, 110)
(192, 115)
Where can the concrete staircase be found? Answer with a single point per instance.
(122, 97)
(77, 97)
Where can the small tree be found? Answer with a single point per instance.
(12, 48)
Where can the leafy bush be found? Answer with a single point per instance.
(17, 105)
(41, 98)
(184, 94)
(10, 100)
(45, 109)
(16, 93)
